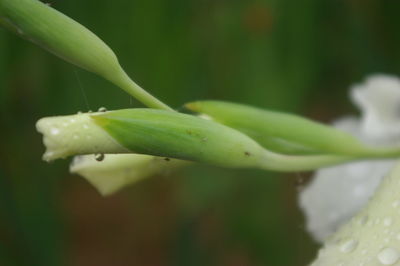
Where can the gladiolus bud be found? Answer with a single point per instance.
(287, 133)
(166, 134)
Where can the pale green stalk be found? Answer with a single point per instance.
(292, 163)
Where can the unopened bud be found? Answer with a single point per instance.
(176, 135)
(166, 134)
(151, 132)
(287, 133)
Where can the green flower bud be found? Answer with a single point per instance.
(166, 134)
(170, 134)
(64, 37)
(287, 133)
(148, 131)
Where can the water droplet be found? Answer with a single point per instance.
(76, 136)
(85, 126)
(388, 256)
(99, 157)
(348, 246)
(54, 131)
(72, 120)
(79, 112)
(396, 203)
(102, 109)
(387, 221)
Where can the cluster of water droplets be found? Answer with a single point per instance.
(373, 236)
(365, 253)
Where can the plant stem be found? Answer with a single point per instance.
(289, 163)
(127, 84)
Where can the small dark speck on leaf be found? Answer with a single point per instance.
(247, 153)
(167, 159)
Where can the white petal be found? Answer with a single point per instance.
(116, 171)
(379, 100)
(75, 134)
(336, 193)
(372, 236)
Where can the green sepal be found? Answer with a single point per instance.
(281, 132)
(182, 136)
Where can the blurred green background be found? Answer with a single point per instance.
(297, 56)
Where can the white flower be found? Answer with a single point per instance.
(338, 193)
(379, 101)
(371, 237)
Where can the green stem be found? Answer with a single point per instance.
(127, 84)
(289, 163)
(66, 38)
(372, 152)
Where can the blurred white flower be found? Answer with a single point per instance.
(338, 193)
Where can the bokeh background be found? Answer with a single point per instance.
(296, 56)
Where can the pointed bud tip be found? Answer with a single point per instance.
(75, 134)
(193, 106)
(100, 119)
